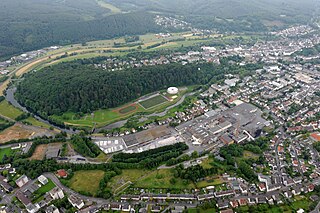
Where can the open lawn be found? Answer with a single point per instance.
(8, 110)
(152, 102)
(248, 155)
(131, 175)
(35, 122)
(45, 188)
(160, 179)
(38, 195)
(6, 151)
(209, 181)
(86, 181)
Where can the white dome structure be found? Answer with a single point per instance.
(172, 90)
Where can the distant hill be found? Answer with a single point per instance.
(31, 24)
(222, 8)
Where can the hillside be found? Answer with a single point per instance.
(230, 15)
(31, 24)
(222, 8)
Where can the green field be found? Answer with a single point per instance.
(6, 151)
(128, 109)
(86, 181)
(160, 179)
(209, 182)
(8, 110)
(35, 122)
(131, 175)
(45, 188)
(152, 102)
(250, 155)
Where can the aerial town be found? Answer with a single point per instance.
(256, 135)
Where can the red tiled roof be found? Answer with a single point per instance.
(62, 173)
(316, 136)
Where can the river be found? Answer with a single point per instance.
(11, 99)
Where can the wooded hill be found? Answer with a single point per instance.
(82, 88)
(33, 24)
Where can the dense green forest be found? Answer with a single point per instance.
(33, 24)
(85, 146)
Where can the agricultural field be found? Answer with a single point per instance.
(8, 110)
(160, 179)
(153, 102)
(86, 181)
(6, 152)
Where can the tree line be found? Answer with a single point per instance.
(151, 158)
(85, 146)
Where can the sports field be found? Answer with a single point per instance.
(128, 109)
(152, 102)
